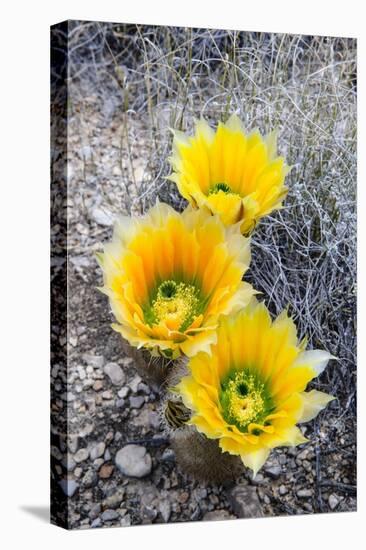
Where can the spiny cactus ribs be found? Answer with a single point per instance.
(203, 459)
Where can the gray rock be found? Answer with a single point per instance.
(69, 463)
(136, 402)
(81, 455)
(81, 372)
(126, 521)
(78, 471)
(102, 217)
(97, 450)
(72, 443)
(114, 500)
(98, 462)
(96, 523)
(304, 493)
(154, 420)
(109, 515)
(115, 374)
(149, 513)
(304, 454)
(87, 152)
(333, 501)
(273, 471)
(283, 489)
(245, 502)
(90, 478)
(134, 383)
(258, 479)
(69, 486)
(196, 514)
(96, 361)
(95, 511)
(107, 455)
(133, 461)
(144, 388)
(117, 436)
(201, 493)
(123, 392)
(165, 510)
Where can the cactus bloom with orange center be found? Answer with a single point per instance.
(250, 393)
(170, 276)
(232, 173)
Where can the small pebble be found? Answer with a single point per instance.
(96, 361)
(115, 374)
(134, 383)
(134, 461)
(273, 471)
(165, 510)
(106, 471)
(282, 490)
(97, 450)
(81, 455)
(304, 493)
(109, 515)
(136, 402)
(333, 501)
(123, 392)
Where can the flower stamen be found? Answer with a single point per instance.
(220, 187)
(175, 302)
(243, 399)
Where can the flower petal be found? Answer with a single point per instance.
(314, 401)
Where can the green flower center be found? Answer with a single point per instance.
(220, 187)
(244, 399)
(174, 301)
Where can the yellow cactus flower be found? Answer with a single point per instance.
(232, 173)
(170, 276)
(250, 393)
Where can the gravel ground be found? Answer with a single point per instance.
(111, 457)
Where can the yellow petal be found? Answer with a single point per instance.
(255, 459)
(314, 401)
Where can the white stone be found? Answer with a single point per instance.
(133, 461)
(115, 374)
(81, 455)
(97, 450)
(102, 217)
(333, 501)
